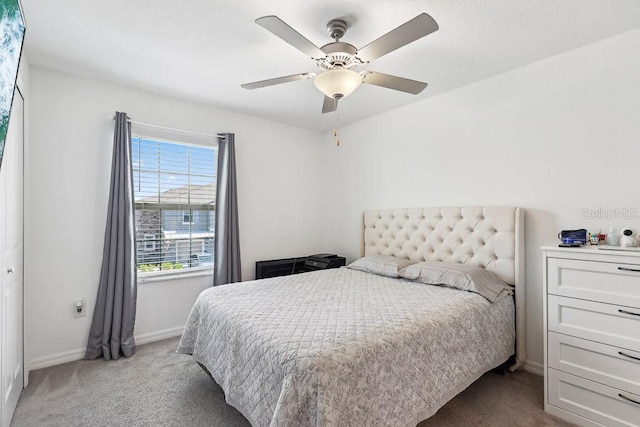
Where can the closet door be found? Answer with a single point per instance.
(11, 262)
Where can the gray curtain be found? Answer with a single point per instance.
(111, 332)
(226, 252)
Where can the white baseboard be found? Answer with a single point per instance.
(534, 367)
(70, 356)
(55, 359)
(159, 335)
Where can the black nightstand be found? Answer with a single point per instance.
(288, 266)
(280, 267)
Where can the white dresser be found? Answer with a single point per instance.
(592, 335)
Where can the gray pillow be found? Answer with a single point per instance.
(460, 276)
(382, 265)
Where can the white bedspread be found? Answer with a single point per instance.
(345, 348)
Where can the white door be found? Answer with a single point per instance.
(11, 263)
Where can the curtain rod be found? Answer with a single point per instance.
(206, 135)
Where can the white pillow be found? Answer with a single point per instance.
(460, 276)
(382, 265)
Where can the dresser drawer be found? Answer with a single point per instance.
(609, 282)
(617, 367)
(596, 402)
(605, 323)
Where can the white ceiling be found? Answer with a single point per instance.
(202, 50)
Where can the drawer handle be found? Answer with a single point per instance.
(629, 269)
(628, 355)
(628, 399)
(628, 312)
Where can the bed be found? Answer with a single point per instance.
(346, 347)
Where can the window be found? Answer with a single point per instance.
(149, 242)
(187, 217)
(175, 187)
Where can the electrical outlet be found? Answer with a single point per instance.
(79, 308)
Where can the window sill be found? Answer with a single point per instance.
(152, 278)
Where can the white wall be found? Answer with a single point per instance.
(67, 192)
(553, 137)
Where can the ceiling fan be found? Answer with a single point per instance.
(338, 59)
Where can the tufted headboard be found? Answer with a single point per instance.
(488, 237)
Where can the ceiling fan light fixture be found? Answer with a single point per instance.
(338, 82)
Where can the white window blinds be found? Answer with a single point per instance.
(175, 188)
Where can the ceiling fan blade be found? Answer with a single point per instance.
(406, 33)
(278, 27)
(278, 80)
(393, 82)
(329, 105)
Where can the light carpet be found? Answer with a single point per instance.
(157, 387)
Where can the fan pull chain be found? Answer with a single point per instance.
(335, 130)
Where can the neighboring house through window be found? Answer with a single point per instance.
(175, 188)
